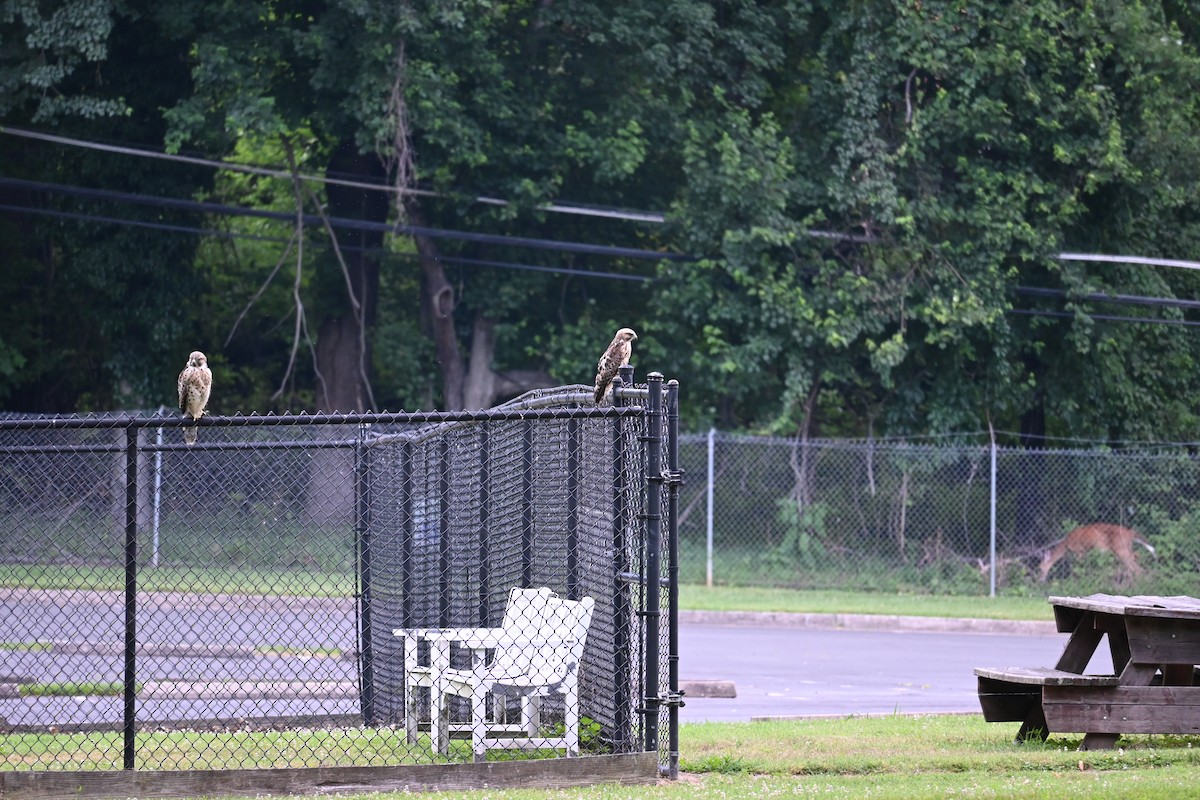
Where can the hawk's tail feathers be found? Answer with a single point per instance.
(189, 435)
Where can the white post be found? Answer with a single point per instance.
(992, 520)
(712, 435)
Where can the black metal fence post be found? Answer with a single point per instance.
(653, 516)
(406, 534)
(444, 552)
(485, 491)
(622, 607)
(675, 481)
(526, 504)
(362, 537)
(129, 757)
(574, 443)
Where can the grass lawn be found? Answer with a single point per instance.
(901, 757)
(692, 597)
(696, 597)
(897, 757)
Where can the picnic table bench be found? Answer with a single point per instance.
(1155, 647)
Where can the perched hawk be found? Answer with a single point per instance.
(195, 385)
(615, 357)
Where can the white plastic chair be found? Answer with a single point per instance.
(535, 653)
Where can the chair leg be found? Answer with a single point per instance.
(530, 714)
(410, 714)
(439, 721)
(410, 691)
(479, 722)
(571, 718)
(439, 701)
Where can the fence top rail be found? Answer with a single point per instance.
(362, 418)
(562, 405)
(1178, 451)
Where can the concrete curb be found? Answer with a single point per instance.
(867, 622)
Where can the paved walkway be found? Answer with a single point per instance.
(745, 667)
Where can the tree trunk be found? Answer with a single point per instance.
(466, 384)
(481, 380)
(339, 385)
(343, 356)
(485, 386)
(438, 302)
(1030, 519)
(437, 296)
(800, 457)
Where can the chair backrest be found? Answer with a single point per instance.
(543, 652)
(525, 610)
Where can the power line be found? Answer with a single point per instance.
(342, 222)
(559, 208)
(1147, 260)
(581, 209)
(479, 262)
(1102, 297)
(1033, 312)
(583, 273)
(138, 223)
(565, 208)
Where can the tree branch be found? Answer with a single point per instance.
(301, 329)
(278, 264)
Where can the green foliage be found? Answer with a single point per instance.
(78, 689)
(723, 764)
(964, 146)
(52, 57)
(869, 189)
(1175, 565)
(804, 530)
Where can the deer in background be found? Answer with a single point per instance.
(1116, 539)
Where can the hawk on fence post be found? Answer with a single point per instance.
(195, 385)
(616, 356)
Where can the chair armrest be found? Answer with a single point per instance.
(467, 637)
(475, 638)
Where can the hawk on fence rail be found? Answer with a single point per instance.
(195, 385)
(616, 356)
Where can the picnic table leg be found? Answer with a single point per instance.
(1081, 645)
(1099, 741)
(1080, 648)
(1178, 674)
(1034, 727)
(1118, 645)
(1132, 675)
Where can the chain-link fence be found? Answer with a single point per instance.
(904, 517)
(246, 601)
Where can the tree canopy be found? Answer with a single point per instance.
(825, 218)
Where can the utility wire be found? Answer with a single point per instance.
(583, 273)
(274, 172)
(217, 208)
(1147, 260)
(1101, 297)
(1033, 312)
(566, 208)
(560, 208)
(342, 222)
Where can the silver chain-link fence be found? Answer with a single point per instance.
(244, 602)
(925, 517)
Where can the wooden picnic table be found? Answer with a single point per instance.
(1155, 647)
